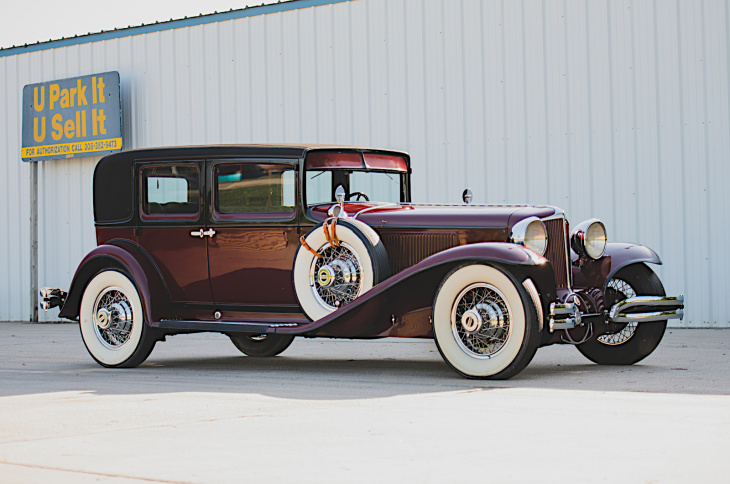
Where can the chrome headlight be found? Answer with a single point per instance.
(589, 238)
(530, 233)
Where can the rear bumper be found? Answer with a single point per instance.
(51, 298)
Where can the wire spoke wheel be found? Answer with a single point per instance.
(484, 322)
(336, 277)
(627, 343)
(481, 320)
(112, 318)
(618, 290)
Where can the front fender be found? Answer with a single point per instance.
(415, 288)
(135, 262)
(597, 273)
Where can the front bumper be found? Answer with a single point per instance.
(639, 309)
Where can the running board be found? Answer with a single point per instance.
(220, 326)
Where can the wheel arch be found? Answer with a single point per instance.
(130, 259)
(618, 255)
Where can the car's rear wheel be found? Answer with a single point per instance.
(627, 343)
(334, 266)
(484, 323)
(112, 321)
(261, 345)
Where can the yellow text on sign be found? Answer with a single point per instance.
(70, 149)
(75, 126)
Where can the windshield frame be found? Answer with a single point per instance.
(344, 180)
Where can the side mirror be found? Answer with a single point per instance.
(467, 196)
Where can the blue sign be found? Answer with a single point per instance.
(80, 116)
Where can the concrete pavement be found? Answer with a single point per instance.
(334, 411)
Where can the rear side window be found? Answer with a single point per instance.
(254, 190)
(170, 191)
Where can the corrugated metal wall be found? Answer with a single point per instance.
(614, 109)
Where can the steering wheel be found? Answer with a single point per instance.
(358, 195)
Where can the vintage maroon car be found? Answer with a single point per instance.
(264, 243)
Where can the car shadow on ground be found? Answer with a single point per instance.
(51, 358)
(320, 379)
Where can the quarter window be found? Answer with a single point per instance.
(258, 190)
(170, 191)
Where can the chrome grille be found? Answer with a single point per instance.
(557, 250)
(405, 250)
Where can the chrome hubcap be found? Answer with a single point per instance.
(112, 318)
(480, 320)
(335, 278)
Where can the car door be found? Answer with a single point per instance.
(171, 215)
(252, 211)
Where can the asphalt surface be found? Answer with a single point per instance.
(358, 411)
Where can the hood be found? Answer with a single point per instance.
(439, 216)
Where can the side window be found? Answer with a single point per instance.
(254, 189)
(170, 191)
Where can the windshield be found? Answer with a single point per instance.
(374, 186)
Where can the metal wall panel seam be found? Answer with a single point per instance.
(590, 108)
(548, 163)
(710, 226)
(660, 171)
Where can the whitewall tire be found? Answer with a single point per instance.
(484, 323)
(342, 273)
(112, 321)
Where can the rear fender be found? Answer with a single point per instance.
(597, 273)
(131, 259)
(415, 288)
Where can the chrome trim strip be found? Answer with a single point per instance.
(220, 326)
(519, 232)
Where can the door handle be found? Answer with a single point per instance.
(202, 233)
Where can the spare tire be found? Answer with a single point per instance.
(351, 261)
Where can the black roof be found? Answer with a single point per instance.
(114, 174)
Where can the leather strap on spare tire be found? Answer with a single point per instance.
(335, 263)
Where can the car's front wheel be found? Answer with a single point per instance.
(112, 321)
(484, 323)
(261, 345)
(627, 343)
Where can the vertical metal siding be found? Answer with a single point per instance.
(618, 109)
